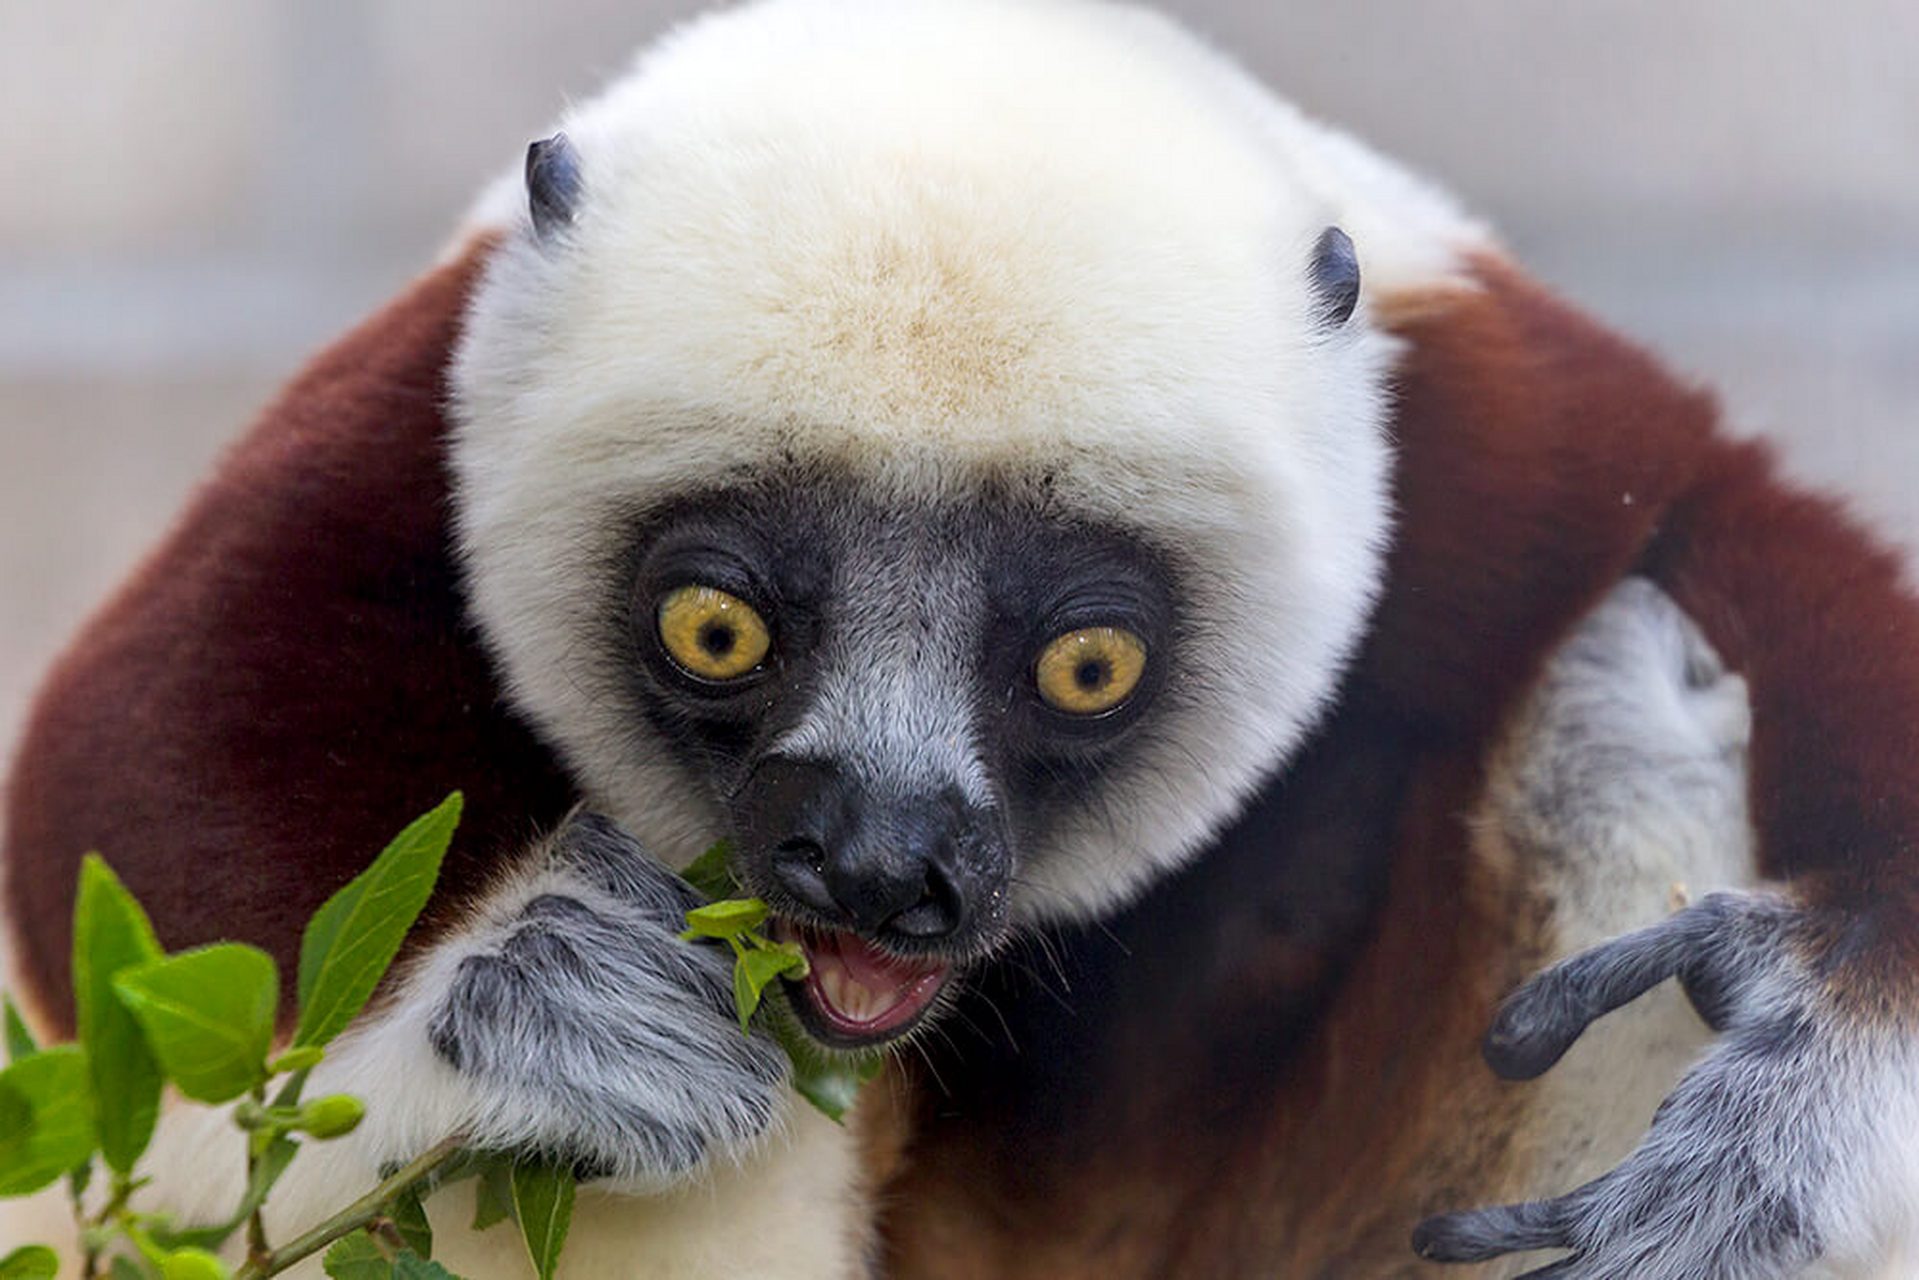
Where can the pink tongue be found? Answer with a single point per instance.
(874, 969)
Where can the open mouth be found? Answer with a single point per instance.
(855, 994)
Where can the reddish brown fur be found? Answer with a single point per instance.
(1538, 452)
(287, 681)
(1819, 619)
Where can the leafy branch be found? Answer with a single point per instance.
(203, 1021)
(362, 1213)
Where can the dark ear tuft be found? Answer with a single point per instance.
(553, 185)
(1335, 277)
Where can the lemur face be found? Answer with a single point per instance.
(961, 513)
(895, 705)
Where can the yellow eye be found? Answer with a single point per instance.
(711, 634)
(1086, 672)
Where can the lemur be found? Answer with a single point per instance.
(1174, 620)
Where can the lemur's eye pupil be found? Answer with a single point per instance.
(712, 634)
(1090, 671)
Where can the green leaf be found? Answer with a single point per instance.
(408, 1216)
(831, 1088)
(34, 1262)
(59, 1134)
(791, 957)
(356, 1257)
(111, 933)
(753, 970)
(125, 1268)
(16, 1123)
(290, 1090)
(830, 1081)
(746, 996)
(727, 919)
(408, 1265)
(353, 938)
(543, 1202)
(20, 1041)
(710, 874)
(208, 1015)
(493, 1196)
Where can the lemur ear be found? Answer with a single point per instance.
(1335, 277)
(553, 185)
(304, 618)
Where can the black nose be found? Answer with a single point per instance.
(870, 863)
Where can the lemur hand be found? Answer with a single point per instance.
(586, 1029)
(1779, 1149)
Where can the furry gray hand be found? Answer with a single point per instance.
(588, 1031)
(1768, 1155)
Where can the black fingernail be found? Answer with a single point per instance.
(1525, 1039)
(1434, 1239)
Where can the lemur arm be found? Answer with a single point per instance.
(1790, 1141)
(566, 1016)
(1820, 620)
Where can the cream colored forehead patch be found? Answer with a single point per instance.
(921, 329)
(912, 320)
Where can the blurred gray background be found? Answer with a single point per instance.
(194, 193)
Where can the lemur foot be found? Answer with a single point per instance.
(588, 1031)
(1788, 1144)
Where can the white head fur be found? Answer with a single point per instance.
(923, 241)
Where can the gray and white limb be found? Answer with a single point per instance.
(1785, 1149)
(567, 1017)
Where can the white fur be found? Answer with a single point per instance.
(926, 241)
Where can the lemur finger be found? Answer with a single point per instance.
(565, 946)
(615, 863)
(572, 955)
(1564, 1269)
(1475, 1235)
(1718, 948)
(1540, 1021)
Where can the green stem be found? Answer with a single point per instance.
(256, 1224)
(116, 1201)
(89, 1256)
(354, 1216)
